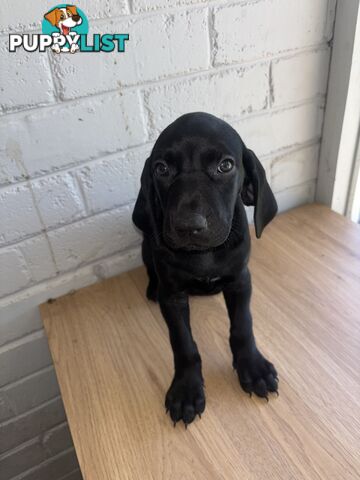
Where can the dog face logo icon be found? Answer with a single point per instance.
(64, 18)
(65, 28)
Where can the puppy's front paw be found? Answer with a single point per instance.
(258, 375)
(185, 398)
(74, 47)
(56, 48)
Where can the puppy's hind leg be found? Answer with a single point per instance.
(152, 288)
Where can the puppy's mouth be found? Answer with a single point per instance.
(191, 244)
(65, 30)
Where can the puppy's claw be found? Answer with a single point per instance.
(199, 415)
(186, 425)
(174, 424)
(266, 398)
(167, 410)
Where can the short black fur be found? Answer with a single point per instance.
(190, 209)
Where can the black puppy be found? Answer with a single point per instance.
(190, 209)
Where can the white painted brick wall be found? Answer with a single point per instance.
(159, 48)
(38, 257)
(100, 180)
(108, 232)
(58, 199)
(75, 131)
(32, 72)
(9, 169)
(17, 324)
(292, 197)
(23, 357)
(251, 30)
(145, 5)
(229, 94)
(30, 261)
(18, 213)
(60, 136)
(280, 129)
(294, 168)
(298, 77)
(13, 272)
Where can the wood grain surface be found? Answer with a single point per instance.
(114, 364)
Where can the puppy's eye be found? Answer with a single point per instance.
(62, 16)
(226, 165)
(161, 169)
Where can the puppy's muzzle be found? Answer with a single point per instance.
(192, 224)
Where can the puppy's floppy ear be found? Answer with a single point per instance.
(257, 192)
(72, 9)
(51, 16)
(146, 211)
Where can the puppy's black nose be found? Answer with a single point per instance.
(76, 18)
(192, 223)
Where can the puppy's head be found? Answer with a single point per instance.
(64, 18)
(198, 170)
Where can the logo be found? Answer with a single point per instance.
(65, 30)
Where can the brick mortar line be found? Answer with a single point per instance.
(145, 116)
(54, 78)
(271, 85)
(218, 68)
(129, 4)
(44, 231)
(212, 36)
(44, 463)
(83, 198)
(75, 166)
(21, 380)
(301, 184)
(20, 341)
(38, 439)
(289, 150)
(4, 301)
(73, 222)
(68, 474)
(25, 172)
(150, 143)
(30, 411)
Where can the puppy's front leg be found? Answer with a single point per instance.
(185, 397)
(256, 374)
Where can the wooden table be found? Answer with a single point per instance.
(113, 361)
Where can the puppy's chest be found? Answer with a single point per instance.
(200, 274)
(203, 275)
(204, 285)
